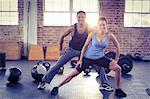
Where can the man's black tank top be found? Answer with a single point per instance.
(78, 40)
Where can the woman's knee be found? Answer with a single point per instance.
(74, 73)
(114, 66)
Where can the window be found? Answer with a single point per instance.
(63, 12)
(8, 12)
(137, 13)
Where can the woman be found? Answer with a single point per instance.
(79, 33)
(93, 53)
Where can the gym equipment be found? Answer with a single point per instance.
(73, 63)
(87, 71)
(45, 64)
(137, 57)
(61, 70)
(124, 62)
(13, 74)
(2, 60)
(129, 57)
(111, 55)
(38, 71)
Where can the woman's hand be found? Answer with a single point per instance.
(116, 61)
(79, 63)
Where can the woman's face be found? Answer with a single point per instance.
(81, 18)
(102, 26)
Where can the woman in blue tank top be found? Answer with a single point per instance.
(93, 53)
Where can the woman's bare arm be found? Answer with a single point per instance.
(116, 44)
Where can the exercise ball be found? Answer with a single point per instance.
(13, 74)
(38, 71)
(45, 64)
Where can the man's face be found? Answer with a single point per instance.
(81, 18)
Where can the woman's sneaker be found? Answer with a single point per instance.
(42, 85)
(105, 86)
(54, 91)
(120, 93)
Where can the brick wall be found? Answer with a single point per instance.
(48, 35)
(131, 40)
(13, 33)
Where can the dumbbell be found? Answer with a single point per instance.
(124, 62)
(87, 71)
(137, 57)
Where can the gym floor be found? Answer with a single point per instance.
(81, 87)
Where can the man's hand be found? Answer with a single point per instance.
(62, 52)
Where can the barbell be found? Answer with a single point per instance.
(125, 62)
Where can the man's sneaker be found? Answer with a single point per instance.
(120, 93)
(54, 91)
(42, 85)
(105, 86)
